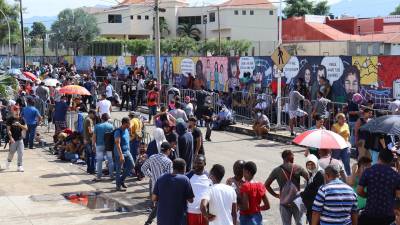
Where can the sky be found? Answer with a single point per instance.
(362, 8)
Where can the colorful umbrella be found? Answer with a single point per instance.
(321, 139)
(74, 90)
(30, 76)
(51, 82)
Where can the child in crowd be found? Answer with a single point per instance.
(141, 158)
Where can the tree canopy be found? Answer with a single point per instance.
(189, 30)
(12, 13)
(74, 29)
(303, 7)
(38, 30)
(396, 11)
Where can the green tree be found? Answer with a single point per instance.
(183, 45)
(139, 46)
(12, 13)
(188, 30)
(396, 11)
(240, 46)
(38, 32)
(75, 29)
(303, 7)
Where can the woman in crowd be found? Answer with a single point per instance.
(342, 128)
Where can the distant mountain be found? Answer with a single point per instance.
(364, 8)
(46, 20)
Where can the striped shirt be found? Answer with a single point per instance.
(335, 201)
(156, 166)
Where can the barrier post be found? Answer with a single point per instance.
(278, 122)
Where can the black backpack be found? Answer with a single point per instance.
(109, 141)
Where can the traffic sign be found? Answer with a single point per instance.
(280, 57)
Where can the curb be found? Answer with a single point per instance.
(270, 136)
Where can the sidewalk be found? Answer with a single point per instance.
(35, 196)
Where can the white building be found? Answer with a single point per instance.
(253, 20)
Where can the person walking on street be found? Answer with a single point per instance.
(380, 184)
(153, 101)
(135, 130)
(198, 178)
(32, 118)
(287, 172)
(133, 94)
(125, 90)
(122, 154)
(90, 153)
(219, 204)
(208, 118)
(251, 195)
(15, 126)
(336, 202)
(294, 109)
(197, 137)
(98, 144)
(171, 193)
(154, 167)
(60, 113)
(104, 106)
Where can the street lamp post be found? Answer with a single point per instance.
(22, 34)
(9, 37)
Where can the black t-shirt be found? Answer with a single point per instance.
(125, 89)
(353, 107)
(16, 132)
(208, 112)
(196, 133)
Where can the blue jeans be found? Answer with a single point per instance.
(134, 145)
(128, 166)
(90, 158)
(30, 135)
(133, 103)
(253, 219)
(100, 153)
(152, 111)
(352, 137)
(73, 157)
(344, 155)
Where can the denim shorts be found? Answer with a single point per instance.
(253, 219)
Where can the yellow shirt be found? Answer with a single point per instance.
(136, 128)
(343, 130)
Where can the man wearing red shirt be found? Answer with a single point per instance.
(152, 102)
(252, 193)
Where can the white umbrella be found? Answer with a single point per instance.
(51, 82)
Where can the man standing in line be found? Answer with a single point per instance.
(122, 154)
(104, 106)
(90, 154)
(15, 126)
(208, 118)
(32, 118)
(60, 114)
(336, 202)
(43, 93)
(294, 109)
(156, 166)
(171, 193)
(287, 172)
(200, 184)
(135, 133)
(219, 204)
(125, 90)
(98, 143)
(109, 91)
(133, 94)
(153, 101)
(185, 144)
(197, 137)
(380, 184)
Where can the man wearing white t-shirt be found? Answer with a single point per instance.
(104, 106)
(219, 204)
(109, 91)
(200, 186)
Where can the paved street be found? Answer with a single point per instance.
(35, 196)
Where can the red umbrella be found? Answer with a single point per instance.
(30, 76)
(74, 90)
(321, 139)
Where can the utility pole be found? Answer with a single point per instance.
(280, 73)
(219, 33)
(205, 31)
(22, 35)
(157, 41)
(44, 47)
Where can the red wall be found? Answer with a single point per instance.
(295, 29)
(346, 25)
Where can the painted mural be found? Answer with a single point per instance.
(372, 76)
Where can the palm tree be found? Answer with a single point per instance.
(188, 30)
(164, 30)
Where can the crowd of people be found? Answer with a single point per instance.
(174, 160)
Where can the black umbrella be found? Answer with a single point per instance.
(389, 125)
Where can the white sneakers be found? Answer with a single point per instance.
(20, 169)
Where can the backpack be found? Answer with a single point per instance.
(289, 190)
(109, 141)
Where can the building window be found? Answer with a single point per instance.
(139, 17)
(271, 12)
(251, 12)
(146, 17)
(236, 12)
(131, 17)
(114, 18)
(243, 12)
(189, 20)
(212, 17)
